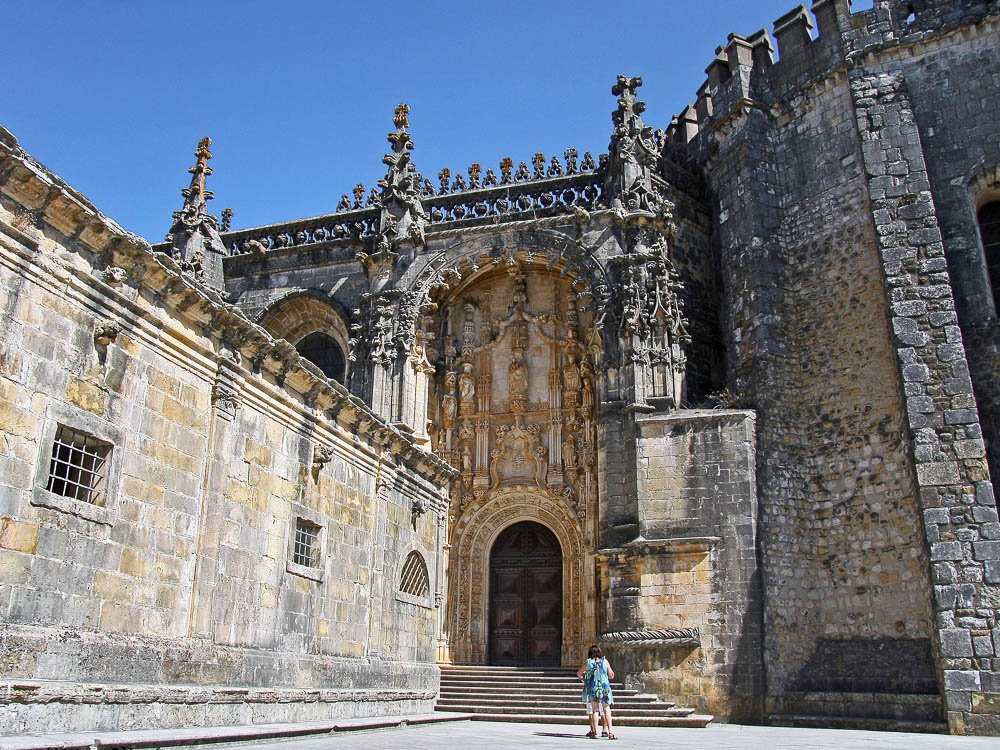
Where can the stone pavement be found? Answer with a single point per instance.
(499, 736)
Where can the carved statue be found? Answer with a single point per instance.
(518, 375)
(569, 452)
(571, 375)
(467, 388)
(587, 387)
(449, 404)
(466, 460)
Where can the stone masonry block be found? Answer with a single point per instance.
(956, 642)
(986, 550)
(939, 473)
(961, 680)
(983, 646)
(946, 551)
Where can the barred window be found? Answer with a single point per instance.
(414, 580)
(989, 229)
(78, 466)
(306, 548)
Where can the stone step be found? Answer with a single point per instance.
(691, 721)
(551, 695)
(492, 688)
(572, 709)
(523, 684)
(513, 678)
(856, 722)
(538, 698)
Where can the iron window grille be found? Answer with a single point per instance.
(305, 551)
(414, 580)
(78, 467)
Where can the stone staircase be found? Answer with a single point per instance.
(548, 696)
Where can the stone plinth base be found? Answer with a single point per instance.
(31, 707)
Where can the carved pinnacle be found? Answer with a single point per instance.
(400, 118)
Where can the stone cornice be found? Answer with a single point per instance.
(84, 229)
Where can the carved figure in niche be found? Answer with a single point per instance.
(517, 378)
(449, 404)
(466, 460)
(467, 388)
(571, 374)
(587, 387)
(569, 452)
(466, 432)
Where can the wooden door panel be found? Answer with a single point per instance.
(526, 597)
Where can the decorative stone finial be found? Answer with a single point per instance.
(632, 154)
(403, 213)
(194, 235)
(400, 117)
(506, 165)
(196, 195)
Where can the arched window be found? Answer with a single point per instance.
(324, 352)
(413, 581)
(989, 230)
(315, 327)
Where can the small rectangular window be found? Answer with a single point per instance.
(78, 466)
(306, 549)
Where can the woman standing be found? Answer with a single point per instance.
(597, 674)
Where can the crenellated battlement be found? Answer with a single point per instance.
(810, 44)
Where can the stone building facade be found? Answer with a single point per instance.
(724, 399)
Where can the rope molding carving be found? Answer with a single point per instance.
(670, 637)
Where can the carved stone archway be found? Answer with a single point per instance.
(298, 315)
(473, 538)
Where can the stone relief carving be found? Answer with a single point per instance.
(514, 399)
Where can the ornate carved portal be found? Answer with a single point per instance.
(513, 407)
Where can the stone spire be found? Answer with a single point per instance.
(403, 213)
(194, 235)
(632, 154)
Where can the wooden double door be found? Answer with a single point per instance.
(526, 597)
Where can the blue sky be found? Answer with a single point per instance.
(298, 96)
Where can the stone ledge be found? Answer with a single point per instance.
(215, 735)
(47, 692)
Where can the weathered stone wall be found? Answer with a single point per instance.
(221, 440)
(953, 93)
(693, 566)
(840, 535)
(956, 497)
(844, 388)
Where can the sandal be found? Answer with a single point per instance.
(604, 733)
(612, 736)
(592, 735)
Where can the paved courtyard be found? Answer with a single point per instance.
(498, 736)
